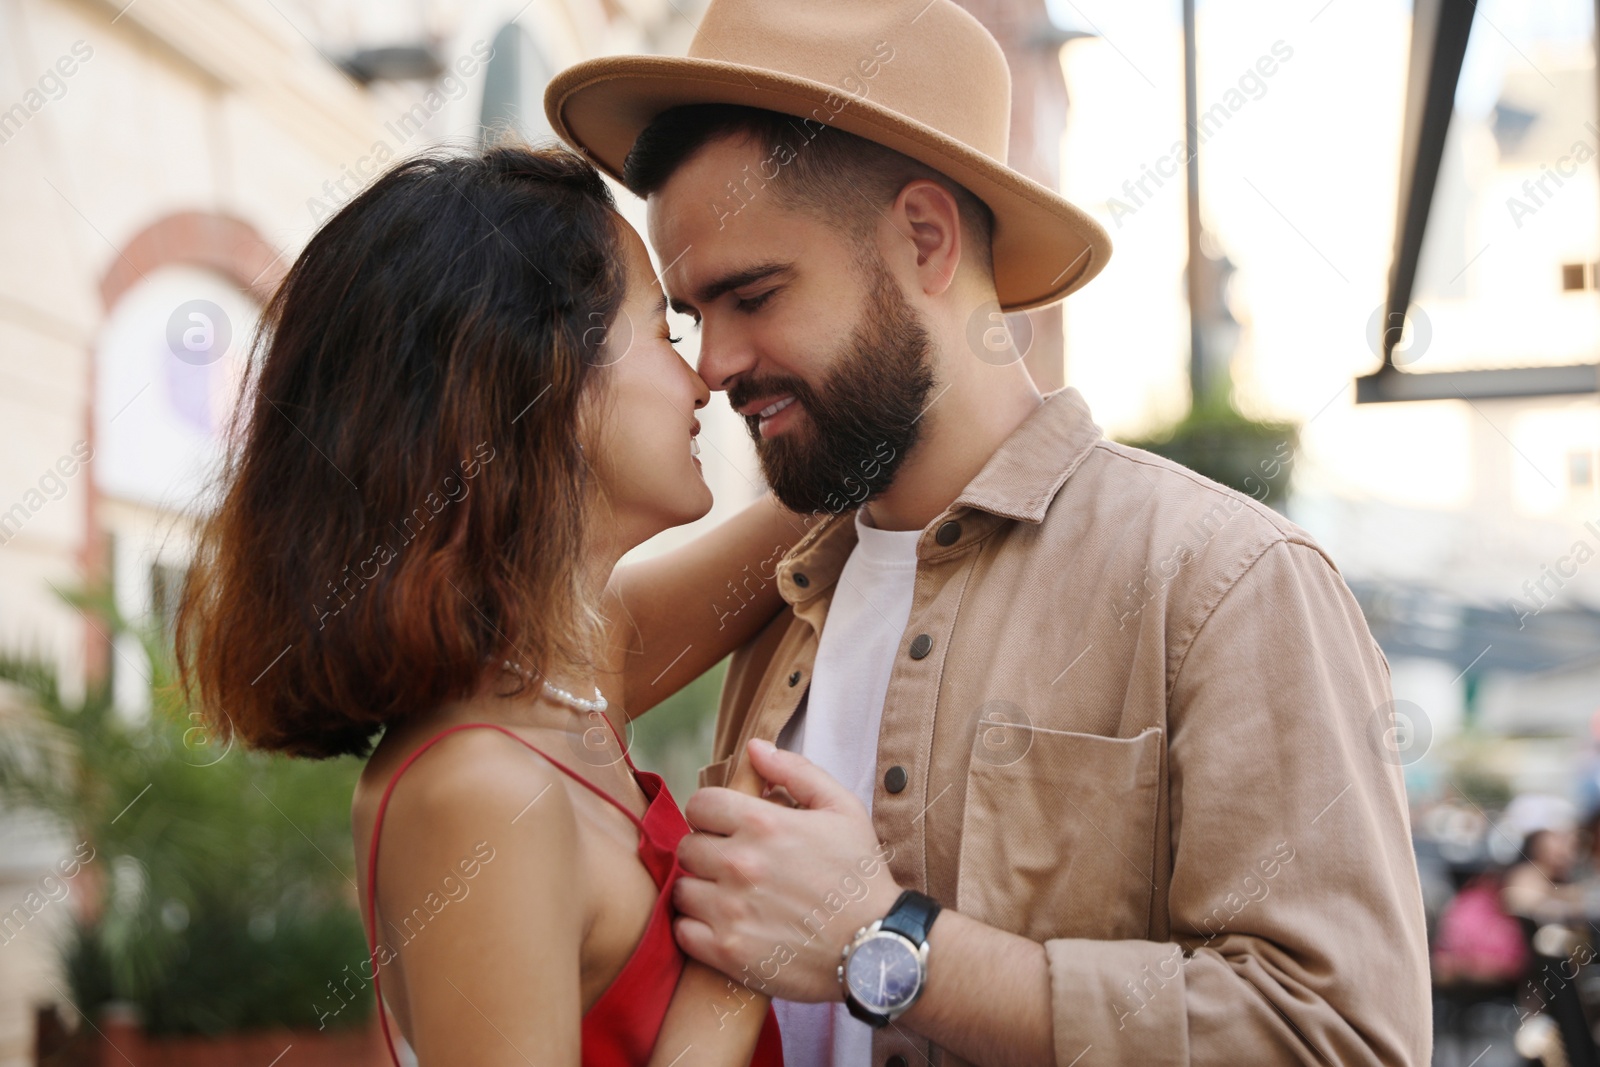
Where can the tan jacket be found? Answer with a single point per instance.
(1135, 717)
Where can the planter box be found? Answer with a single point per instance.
(122, 1043)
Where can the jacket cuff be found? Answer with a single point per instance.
(1118, 1002)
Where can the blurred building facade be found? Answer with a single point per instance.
(1493, 603)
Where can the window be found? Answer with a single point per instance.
(1580, 469)
(513, 87)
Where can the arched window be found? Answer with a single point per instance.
(513, 87)
(182, 301)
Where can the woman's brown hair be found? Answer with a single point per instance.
(405, 496)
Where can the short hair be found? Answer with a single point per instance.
(405, 494)
(819, 169)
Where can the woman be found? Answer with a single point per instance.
(466, 408)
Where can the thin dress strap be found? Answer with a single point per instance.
(377, 829)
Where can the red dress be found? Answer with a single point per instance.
(621, 1028)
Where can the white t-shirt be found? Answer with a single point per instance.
(838, 731)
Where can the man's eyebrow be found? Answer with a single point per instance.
(728, 282)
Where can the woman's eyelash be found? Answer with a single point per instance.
(671, 340)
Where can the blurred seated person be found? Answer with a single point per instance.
(1477, 945)
(1541, 886)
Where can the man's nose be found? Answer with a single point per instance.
(724, 355)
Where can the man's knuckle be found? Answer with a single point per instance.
(753, 866)
(737, 912)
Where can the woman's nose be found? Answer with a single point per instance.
(702, 393)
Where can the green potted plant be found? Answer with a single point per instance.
(216, 913)
(1253, 456)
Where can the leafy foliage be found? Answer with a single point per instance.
(1214, 439)
(674, 738)
(221, 882)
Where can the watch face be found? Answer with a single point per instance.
(883, 973)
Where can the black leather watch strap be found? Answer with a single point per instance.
(871, 1018)
(912, 916)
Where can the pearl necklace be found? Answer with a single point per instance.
(561, 696)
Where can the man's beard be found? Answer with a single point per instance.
(863, 420)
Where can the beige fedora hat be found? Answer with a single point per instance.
(923, 78)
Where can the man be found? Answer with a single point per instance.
(1081, 747)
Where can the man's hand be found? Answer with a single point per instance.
(771, 894)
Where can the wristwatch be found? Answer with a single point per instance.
(885, 966)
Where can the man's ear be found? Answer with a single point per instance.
(926, 214)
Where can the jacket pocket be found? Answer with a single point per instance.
(715, 773)
(1059, 841)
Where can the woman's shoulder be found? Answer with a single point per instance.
(464, 802)
(464, 776)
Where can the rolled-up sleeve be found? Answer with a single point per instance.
(1294, 911)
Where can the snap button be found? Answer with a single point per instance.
(894, 779)
(801, 580)
(949, 533)
(921, 645)
(794, 679)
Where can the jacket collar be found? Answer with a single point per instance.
(1031, 465)
(1018, 482)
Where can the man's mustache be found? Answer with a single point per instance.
(744, 391)
(741, 393)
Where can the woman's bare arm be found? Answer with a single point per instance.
(682, 612)
(477, 894)
(1530, 893)
(477, 897)
(714, 1020)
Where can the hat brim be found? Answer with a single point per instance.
(1044, 246)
